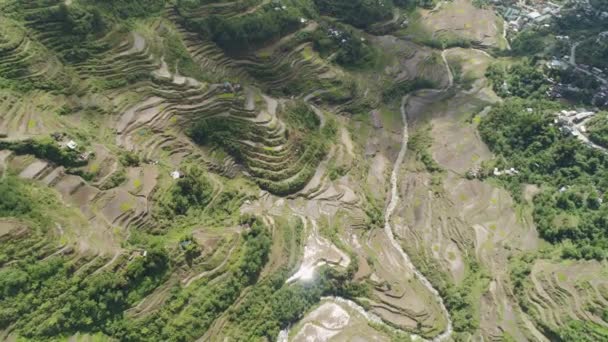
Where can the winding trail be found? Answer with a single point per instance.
(450, 83)
(573, 52)
(188, 281)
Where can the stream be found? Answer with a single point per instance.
(389, 231)
(447, 333)
(284, 334)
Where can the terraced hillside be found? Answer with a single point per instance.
(265, 170)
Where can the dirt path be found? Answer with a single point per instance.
(504, 36)
(3, 157)
(347, 142)
(188, 282)
(319, 114)
(139, 44)
(114, 258)
(573, 53)
(252, 9)
(450, 78)
(572, 62)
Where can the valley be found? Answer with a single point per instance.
(290, 170)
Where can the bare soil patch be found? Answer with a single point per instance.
(461, 19)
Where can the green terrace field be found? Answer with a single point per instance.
(290, 170)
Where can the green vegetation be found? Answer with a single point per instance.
(572, 175)
(80, 26)
(129, 159)
(177, 57)
(598, 129)
(191, 192)
(241, 33)
(46, 298)
(131, 254)
(272, 305)
(45, 148)
(569, 206)
(521, 80)
(584, 88)
(198, 306)
(360, 13)
(345, 44)
(36, 209)
(462, 79)
(14, 200)
(584, 331)
(419, 143)
(398, 89)
(221, 132)
(571, 330)
(528, 43)
(307, 144)
(593, 52)
(303, 118)
(462, 300)
(129, 9)
(116, 179)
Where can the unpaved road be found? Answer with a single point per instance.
(572, 62)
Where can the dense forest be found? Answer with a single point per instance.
(573, 177)
(523, 80)
(598, 129)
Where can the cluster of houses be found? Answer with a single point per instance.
(600, 98)
(572, 122)
(337, 35)
(278, 6)
(65, 142)
(228, 87)
(574, 117)
(557, 90)
(477, 172)
(521, 15)
(585, 9)
(537, 13)
(507, 172)
(564, 63)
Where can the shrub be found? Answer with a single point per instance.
(45, 149)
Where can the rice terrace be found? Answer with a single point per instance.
(303, 170)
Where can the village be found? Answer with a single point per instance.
(541, 15)
(520, 15)
(572, 122)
